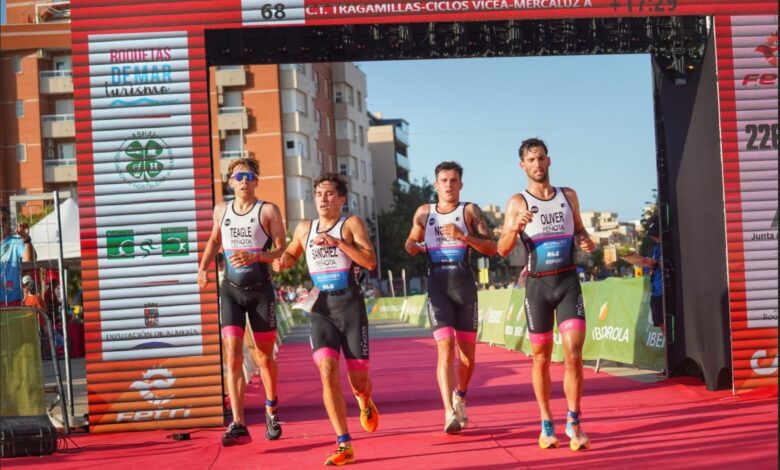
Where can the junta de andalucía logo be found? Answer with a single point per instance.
(144, 161)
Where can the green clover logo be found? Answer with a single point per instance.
(145, 164)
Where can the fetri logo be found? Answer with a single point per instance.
(769, 49)
(155, 379)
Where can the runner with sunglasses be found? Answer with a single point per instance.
(251, 234)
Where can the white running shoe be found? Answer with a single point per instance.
(451, 424)
(459, 407)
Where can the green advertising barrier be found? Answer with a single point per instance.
(515, 329)
(415, 311)
(21, 368)
(282, 318)
(494, 307)
(387, 308)
(617, 325)
(616, 311)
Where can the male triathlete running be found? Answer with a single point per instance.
(336, 247)
(246, 229)
(447, 231)
(549, 222)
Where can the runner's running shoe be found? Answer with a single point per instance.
(547, 439)
(451, 424)
(578, 439)
(273, 427)
(343, 456)
(236, 434)
(459, 407)
(369, 415)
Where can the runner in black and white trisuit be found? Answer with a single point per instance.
(549, 222)
(246, 229)
(447, 232)
(336, 247)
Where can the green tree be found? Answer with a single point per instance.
(394, 227)
(294, 276)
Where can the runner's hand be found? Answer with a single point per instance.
(452, 232)
(585, 243)
(203, 278)
(523, 217)
(242, 258)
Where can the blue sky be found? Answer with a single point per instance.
(594, 112)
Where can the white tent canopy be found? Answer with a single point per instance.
(44, 234)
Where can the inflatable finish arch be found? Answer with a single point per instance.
(145, 182)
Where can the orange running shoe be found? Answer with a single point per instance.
(343, 456)
(547, 438)
(369, 415)
(578, 439)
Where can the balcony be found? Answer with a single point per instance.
(58, 126)
(54, 82)
(299, 123)
(52, 12)
(299, 209)
(298, 165)
(231, 75)
(232, 118)
(293, 78)
(402, 132)
(403, 162)
(60, 171)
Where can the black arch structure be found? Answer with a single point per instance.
(687, 134)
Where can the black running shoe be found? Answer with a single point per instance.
(236, 434)
(273, 427)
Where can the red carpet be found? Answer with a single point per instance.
(673, 424)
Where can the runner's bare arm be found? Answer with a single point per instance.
(581, 236)
(413, 244)
(294, 249)
(271, 219)
(482, 239)
(516, 216)
(213, 245)
(356, 243)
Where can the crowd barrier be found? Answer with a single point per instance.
(616, 312)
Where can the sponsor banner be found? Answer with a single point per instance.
(515, 327)
(387, 308)
(297, 12)
(748, 92)
(415, 311)
(162, 394)
(494, 305)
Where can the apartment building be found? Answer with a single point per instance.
(388, 141)
(283, 116)
(352, 153)
(37, 134)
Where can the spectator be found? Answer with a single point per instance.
(31, 296)
(16, 248)
(655, 264)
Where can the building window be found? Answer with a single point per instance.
(363, 170)
(361, 136)
(16, 63)
(360, 101)
(290, 145)
(343, 169)
(345, 130)
(19, 108)
(21, 152)
(319, 156)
